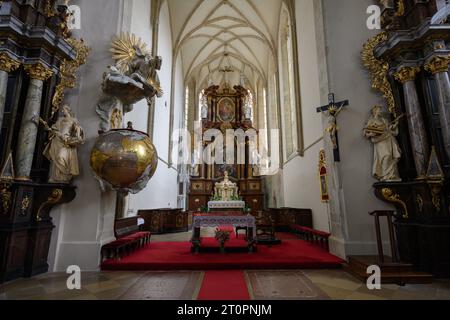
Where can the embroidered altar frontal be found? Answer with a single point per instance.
(211, 221)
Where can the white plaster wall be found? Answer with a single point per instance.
(161, 192)
(346, 32)
(140, 25)
(300, 178)
(87, 222)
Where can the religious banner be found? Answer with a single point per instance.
(323, 177)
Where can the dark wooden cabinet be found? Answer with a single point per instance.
(26, 226)
(159, 221)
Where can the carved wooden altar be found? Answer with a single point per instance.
(226, 110)
(38, 61)
(409, 64)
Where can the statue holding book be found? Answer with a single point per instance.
(387, 152)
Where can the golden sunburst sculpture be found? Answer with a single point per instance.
(125, 48)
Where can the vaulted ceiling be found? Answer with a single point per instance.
(211, 35)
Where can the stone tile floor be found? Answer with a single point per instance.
(336, 284)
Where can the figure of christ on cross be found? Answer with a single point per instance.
(333, 108)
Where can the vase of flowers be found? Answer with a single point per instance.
(222, 237)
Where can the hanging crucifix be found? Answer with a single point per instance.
(333, 108)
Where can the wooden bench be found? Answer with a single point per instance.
(128, 239)
(313, 236)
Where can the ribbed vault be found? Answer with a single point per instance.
(214, 34)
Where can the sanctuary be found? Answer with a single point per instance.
(224, 149)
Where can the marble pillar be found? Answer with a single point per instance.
(29, 128)
(416, 125)
(438, 66)
(7, 65)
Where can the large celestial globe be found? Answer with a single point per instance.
(124, 159)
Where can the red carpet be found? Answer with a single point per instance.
(291, 254)
(224, 285)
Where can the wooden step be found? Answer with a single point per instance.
(362, 262)
(397, 273)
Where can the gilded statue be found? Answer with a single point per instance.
(387, 152)
(61, 150)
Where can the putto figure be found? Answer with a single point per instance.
(65, 137)
(387, 152)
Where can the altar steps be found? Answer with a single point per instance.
(391, 273)
(290, 254)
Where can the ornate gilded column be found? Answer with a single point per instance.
(7, 65)
(438, 66)
(417, 134)
(29, 128)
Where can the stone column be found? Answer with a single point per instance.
(417, 133)
(438, 66)
(7, 65)
(29, 128)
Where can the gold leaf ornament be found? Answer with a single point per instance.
(379, 70)
(68, 71)
(125, 48)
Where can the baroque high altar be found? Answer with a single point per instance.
(225, 108)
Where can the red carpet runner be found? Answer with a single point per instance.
(291, 254)
(224, 285)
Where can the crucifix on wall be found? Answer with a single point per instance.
(333, 108)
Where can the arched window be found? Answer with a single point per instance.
(287, 77)
(186, 108)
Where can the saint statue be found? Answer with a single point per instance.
(65, 136)
(387, 152)
(256, 163)
(204, 105)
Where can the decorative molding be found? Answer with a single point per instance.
(438, 64)
(38, 71)
(420, 203)
(68, 71)
(6, 197)
(390, 196)
(406, 74)
(7, 63)
(49, 8)
(400, 8)
(379, 70)
(53, 199)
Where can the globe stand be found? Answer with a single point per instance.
(120, 204)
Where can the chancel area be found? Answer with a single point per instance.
(224, 149)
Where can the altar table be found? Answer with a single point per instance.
(223, 219)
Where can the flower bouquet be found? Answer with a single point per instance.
(222, 237)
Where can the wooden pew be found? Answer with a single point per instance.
(128, 239)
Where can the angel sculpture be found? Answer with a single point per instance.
(133, 78)
(133, 60)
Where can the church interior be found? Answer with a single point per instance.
(225, 150)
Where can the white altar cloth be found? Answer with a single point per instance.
(226, 205)
(209, 221)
